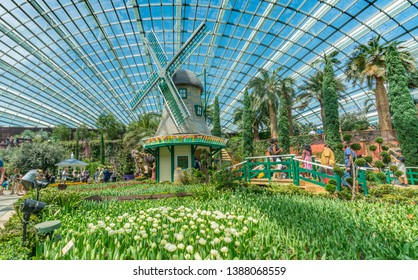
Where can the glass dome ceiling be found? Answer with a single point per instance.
(69, 61)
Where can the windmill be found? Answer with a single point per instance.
(163, 77)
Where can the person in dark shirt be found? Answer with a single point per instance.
(106, 175)
(399, 161)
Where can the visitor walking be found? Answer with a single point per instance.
(2, 171)
(106, 175)
(153, 171)
(307, 156)
(274, 150)
(349, 157)
(327, 159)
(399, 161)
(64, 175)
(196, 163)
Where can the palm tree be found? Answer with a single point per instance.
(287, 90)
(266, 93)
(312, 90)
(259, 116)
(368, 63)
(146, 126)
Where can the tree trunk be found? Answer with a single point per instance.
(290, 117)
(273, 120)
(255, 130)
(382, 106)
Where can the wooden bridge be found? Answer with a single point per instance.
(287, 170)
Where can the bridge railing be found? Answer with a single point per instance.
(317, 175)
(268, 167)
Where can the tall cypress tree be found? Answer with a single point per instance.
(402, 106)
(283, 129)
(216, 131)
(332, 122)
(77, 144)
(247, 133)
(102, 147)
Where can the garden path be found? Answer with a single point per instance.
(6, 206)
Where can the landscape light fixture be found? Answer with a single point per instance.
(30, 206)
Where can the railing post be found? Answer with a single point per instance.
(411, 176)
(248, 177)
(313, 167)
(388, 179)
(296, 173)
(363, 181)
(338, 180)
(268, 169)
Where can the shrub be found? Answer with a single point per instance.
(393, 168)
(384, 154)
(360, 162)
(379, 164)
(332, 182)
(224, 178)
(192, 176)
(368, 159)
(378, 140)
(356, 146)
(330, 188)
(381, 176)
(347, 137)
(338, 170)
(372, 148)
(385, 148)
(398, 173)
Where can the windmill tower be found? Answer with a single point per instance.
(182, 134)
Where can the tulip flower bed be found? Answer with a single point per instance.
(123, 189)
(235, 225)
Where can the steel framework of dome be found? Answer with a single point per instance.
(66, 62)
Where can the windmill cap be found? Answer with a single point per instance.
(186, 77)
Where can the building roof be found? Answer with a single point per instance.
(66, 62)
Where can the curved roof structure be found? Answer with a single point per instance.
(67, 61)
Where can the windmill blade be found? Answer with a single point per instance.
(187, 49)
(175, 104)
(152, 80)
(157, 52)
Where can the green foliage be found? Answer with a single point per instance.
(330, 188)
(386, 159)
(384, 154)
(354, 122)
(77, 144)
(347, 137)
(283, 128)
(332, 124)
(356, 147)
(338, 170)
(216, 130)
(192, 176)
(110, 126)
(372, 148)
(398, 173)
(247, 133)
(61, 132)
(379, 164)
(393, 168)
(38, 156)
(298, 142)
(234, 147)
(102, 148)
(379, 140)
(360, 162)
(385, 148)
(369, 159)
(403, 109)
(224, 178)
(332, 182)
(381, 176)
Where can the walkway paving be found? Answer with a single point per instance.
(6, 206)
